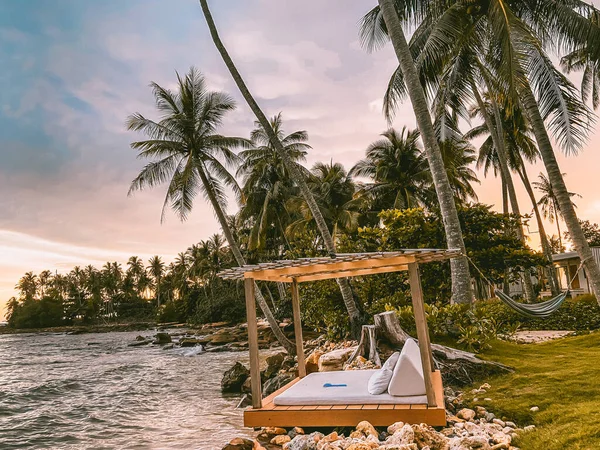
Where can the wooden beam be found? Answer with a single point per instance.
(422, 331)
(352, 273)
(334, 266)
(298, 330)
(255, 382)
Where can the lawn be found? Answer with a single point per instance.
(562, 378)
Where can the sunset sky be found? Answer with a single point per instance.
(72, 70)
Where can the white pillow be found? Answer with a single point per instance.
(380, 380)
(407, 377)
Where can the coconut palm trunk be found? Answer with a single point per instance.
(567, 209)
(239, 258)
(497, 134)
(546, 249)
(461, 280)
(356, 319)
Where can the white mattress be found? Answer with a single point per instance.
(310, 391)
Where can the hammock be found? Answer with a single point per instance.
(534, 310)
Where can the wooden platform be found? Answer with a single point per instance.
(346, 415)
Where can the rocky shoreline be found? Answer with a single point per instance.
(467, 429)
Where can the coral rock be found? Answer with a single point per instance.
(466, 414)
(367, 429)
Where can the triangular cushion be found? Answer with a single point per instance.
(380, 380)
(407, 378)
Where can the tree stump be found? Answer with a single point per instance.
(367, 346)
(458, 367)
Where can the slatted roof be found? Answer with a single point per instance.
(341, 266)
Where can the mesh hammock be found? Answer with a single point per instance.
(534, 310)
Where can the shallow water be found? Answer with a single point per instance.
(92, 391)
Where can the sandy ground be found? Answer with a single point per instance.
(534, 337)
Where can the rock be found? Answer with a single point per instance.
(163, 338)
(501, 438)
(367, 429)
(274, 363)
(168, 346)
(511, 424)
(427, 436)
(281, 439)
(529, 428)
(304, 442)
(466, 414)
(234, 378)
(502, 446)
(499, 422)
(295, 432)
(534, 409)
(312, 362)
(189, 342)
(334, 360)
(470, 443)
(221, 339)
(140, 338)
(268, 433)
(240, 444)
(276, 382)
(138, 343)
(395, 427)
(246, 400)
(404, 435)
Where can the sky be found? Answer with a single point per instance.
(73, 70)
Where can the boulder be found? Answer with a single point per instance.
(276, 383)
(163, 338)
(274, 363)
(367, 429)
(335, 360)
(234, 378)
(427, 436)
(189, 342)
(404, 435)
(312, 362)
(221, 339)
(281, 439)
(240, 444)
(466, 414)
(395, 427)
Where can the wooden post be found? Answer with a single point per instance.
(253, 343)
(298, 329)
(422, 330)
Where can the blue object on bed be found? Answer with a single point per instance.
(326, 385)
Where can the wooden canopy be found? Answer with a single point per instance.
(340, 266)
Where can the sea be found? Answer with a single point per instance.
(93, 391)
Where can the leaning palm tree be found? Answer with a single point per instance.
(397, 169)
(549, 203)
(352, 306)
(190, 156)
(387, 15)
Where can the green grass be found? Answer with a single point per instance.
(562, 378)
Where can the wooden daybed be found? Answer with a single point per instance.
(264, 412)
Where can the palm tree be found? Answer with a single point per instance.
(517, 34)
(28, 286)
(582, 58)
(44, 281)
(398, 170)
(156, 269)
(461, 281)
(520, 147)
(267, 181)
(333, 189)
(189, 155)
(352, 307)
(549, 203)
